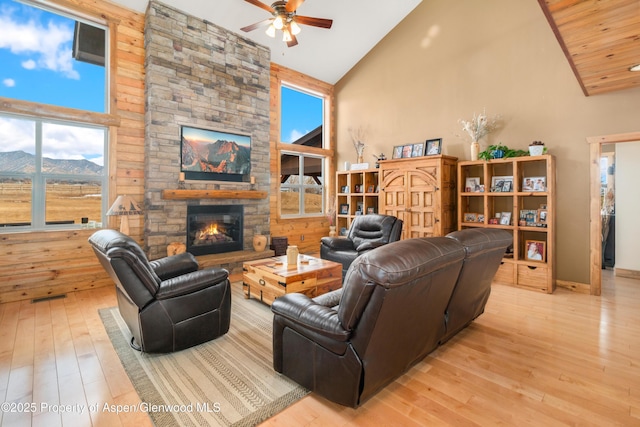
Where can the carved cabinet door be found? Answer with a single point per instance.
(411, 195)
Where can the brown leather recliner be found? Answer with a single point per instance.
(168, 304)
(348, 344)
(366, 232)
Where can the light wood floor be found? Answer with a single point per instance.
(530, 359)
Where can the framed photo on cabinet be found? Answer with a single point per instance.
(397, 152)
(417, 150)
(407, 150)
(344, 209)
(434, 147)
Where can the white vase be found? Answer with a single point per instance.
(536, 150)
(475, 150)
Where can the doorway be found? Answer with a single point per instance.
(595, 228)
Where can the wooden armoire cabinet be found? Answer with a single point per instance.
(421, 191)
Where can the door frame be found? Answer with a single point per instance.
(595, 223)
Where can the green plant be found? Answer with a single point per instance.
(507, 152)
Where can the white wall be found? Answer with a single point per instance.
(627, 206)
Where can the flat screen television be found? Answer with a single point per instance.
(214, 155)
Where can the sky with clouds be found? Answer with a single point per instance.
(37, 65)
(301, 113)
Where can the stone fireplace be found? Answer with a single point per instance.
(201, 75)
(214, 229)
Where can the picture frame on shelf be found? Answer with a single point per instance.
(470, 217)
(371, 210)
(472, 184)
(498, 182)
(542, 216)
(507, 187)
(505, 218)
(406, 151)
(417, 150)
(344, 209)
(344, 189)
(397, 152)
(359, 207)
(535, 250)
(527, 184)
(539, 183)
(434, 147)
(370, 189)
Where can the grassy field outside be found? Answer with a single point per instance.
(64, 202)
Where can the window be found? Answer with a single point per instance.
(302, 159)
(302, 184)
(301, 118)
(52, 174)
(48, 57)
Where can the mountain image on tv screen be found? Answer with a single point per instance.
(216, 152)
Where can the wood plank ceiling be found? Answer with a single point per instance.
(601, 40)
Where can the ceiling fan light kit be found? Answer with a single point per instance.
(286, 20)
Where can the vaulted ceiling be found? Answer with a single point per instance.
(601, 40)
(327, 55)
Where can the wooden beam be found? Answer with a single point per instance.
(213, 194)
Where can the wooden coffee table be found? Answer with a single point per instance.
(268, 279)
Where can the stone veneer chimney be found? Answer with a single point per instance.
(200, 75)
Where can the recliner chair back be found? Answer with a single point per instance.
(127, 265)
(370, 231)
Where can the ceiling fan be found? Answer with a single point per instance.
(285, 19)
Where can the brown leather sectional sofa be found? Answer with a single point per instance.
(398, 303)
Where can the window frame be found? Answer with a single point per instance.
(301, 186)
(325, 153)
(39, 177)
(39, 112)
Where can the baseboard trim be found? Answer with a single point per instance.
(630, 274)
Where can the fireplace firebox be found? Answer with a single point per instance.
(214, 229)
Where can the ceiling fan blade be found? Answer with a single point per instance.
(315, 22)
(257, 25)
(293, 42)
(293, 5)
(260, 5)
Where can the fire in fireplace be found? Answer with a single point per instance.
(214, 229)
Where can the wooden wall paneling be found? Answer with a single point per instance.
(39, 264)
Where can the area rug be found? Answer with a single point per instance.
(229, 381)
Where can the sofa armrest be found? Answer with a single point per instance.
(175, 265)
(191, 282)
(337, 243)
(308, 314)
(330, 299)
